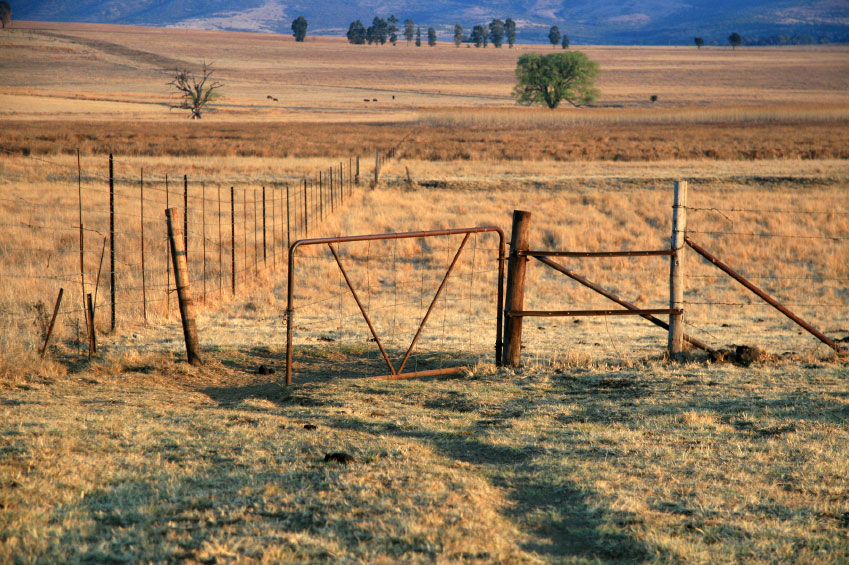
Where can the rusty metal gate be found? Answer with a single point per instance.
(396, 369)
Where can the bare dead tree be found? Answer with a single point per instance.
(195, 92)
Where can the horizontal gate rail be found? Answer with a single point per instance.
(396, 373)
(609, 295)
(579, 313)
(588, 254)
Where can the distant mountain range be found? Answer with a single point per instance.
(614, 22)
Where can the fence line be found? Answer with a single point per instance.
(123, 204)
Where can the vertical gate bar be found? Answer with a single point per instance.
(433, 302)
(362, 310)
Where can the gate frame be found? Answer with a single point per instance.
(398, 374)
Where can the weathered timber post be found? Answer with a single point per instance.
(676, 273)
(52, 323)
(515, 300)
(186, 217)
(92, 336)
(184, 294)
(232, 242)
(112, 238)
(141, 225)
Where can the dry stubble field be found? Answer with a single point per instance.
(597, 450)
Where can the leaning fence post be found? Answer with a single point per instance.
(184, 294)
(52, 323)
(676, 274)
(515, 300)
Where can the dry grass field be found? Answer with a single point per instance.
(596, 450)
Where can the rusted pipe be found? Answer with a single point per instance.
(586, 254)
(362, 310)
(607, 294)
(763, 295)
(580, 313)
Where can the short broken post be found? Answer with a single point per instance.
(184, 295)
(676, 274)
(52, 323)
(515, 300)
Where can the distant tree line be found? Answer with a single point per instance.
(736, 40)
(382, 31)
(5, 13)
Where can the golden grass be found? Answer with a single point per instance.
(144, 458)
(103, 72)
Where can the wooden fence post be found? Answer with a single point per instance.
(112, 239)
(141, 225)
(357, 178)
(676, 273)
(186, 216)
(184, 294)
(52, 323)
(376, 167)
(516, 266)
(92, 336)
(232, 241)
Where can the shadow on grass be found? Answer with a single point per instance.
(547, 505)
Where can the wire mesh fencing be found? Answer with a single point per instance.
(395, 305)
(96, 225)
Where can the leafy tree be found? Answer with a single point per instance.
(458, 34)
(195, 92)
(550, 79)
(418, 36)
(554, 35)
(699, 42)
(392, 28)
(735, 40)
(380, 30)
(478, 34)
(431, 36)
(371, 35)
(510, 31)
(409, 30)
(496, 32)
(299, 28)
(356, 33)
(5, 13)
(564, 43)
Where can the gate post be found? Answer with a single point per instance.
(676, 273)
(516, 266)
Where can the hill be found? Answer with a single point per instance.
(658, 22)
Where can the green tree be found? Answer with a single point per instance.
(458, 34)
(554, 35)
(564, 43)
(409, 30)
(356, 33)
(195, 92)
(735, 40)
(299, 28)
(510, 31)
(550, 79)
(379, 30)
(418, 36)
(478, 33)
(392, 22)
(496, 32)
(699, 42)
(431, 36)
(5, 13)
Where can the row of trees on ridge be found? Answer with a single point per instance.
(382, 31)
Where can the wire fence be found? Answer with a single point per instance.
(96, 224)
